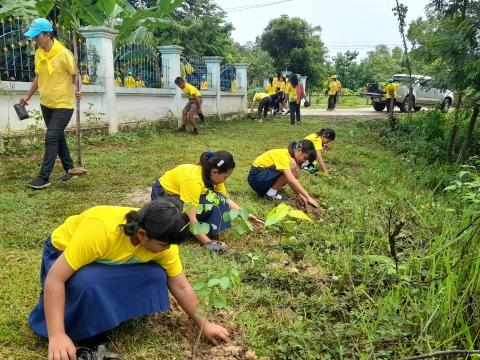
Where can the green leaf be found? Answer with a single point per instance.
(187, 207)
(219, 301)
(207, 207)
(225, 283)
(451, 187)
(199, 209)
(298, 214)
(213, 282)
(244, 213)
(226, 216)
(106, 6)
(200, 228)
(240, 229)
(277, 214)
(233, 214)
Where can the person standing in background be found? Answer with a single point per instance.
(55, 69)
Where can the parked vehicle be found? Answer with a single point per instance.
(423, 94)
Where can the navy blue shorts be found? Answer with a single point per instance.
(262, 179)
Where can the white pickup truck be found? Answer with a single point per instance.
(423, 94)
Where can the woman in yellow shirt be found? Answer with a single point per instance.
(193, 185)
(54, 72)
(110, 264)
(320, 140)
(272, 170)
(271, 90)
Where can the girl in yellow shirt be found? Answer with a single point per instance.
(320, 140)
(272, 170)
(192, 184)
(108, 265)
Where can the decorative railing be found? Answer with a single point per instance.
(194, 71)
(228, 78)
(138, 65)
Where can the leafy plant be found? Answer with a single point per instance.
(283, 210)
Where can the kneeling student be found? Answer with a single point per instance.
(275, 168)
(110, 264)
(191, 184)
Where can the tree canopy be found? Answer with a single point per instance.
(295, 45)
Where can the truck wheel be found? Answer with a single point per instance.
(446, 104)
(404, 105)
(378, 106)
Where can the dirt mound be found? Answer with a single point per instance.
(234, 349)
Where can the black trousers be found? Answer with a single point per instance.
(332, 101)
(56, 121)
(264, 106)
(294, 112)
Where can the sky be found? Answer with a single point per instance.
(346, 24)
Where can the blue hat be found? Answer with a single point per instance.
(390, 80)
(39, 25)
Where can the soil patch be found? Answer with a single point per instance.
(138, 197)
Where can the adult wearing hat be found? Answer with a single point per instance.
(334, 87)
(55, 70)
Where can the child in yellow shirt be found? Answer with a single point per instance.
(320, 140)
(193, 108)
(272, 170)
(192, 183)
(110, 264)
(264, 102)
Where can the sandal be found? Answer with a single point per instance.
(216, 247)
(101, 353)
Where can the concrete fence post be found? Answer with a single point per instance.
(170, 71)
(213, 71)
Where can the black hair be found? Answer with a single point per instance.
(306, 146)
(328, 133)
(270, 80)
(294, 80)
(278, 74)
(179, 80)
(221, 160)
(162, 220)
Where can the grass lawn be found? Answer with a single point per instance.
(321, 290)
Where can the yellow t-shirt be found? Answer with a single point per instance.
(191, 91)
(204, 85)
(280, 158)
(130, 81)
(259, 96)
(139, 84)
(95, 236)
(282, 86)
(275, 83)
(86, 79)
(334, 86)
(390, 87)
(291, 92)
(118, 81)
(186, 181)
(316, 140)
(271, 89)
(56, 90)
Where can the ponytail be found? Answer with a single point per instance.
(219, 160)
(161, 219)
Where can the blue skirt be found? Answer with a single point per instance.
(214, 216)
(262, 179)
(100, 297)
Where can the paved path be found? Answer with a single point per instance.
(367, 111)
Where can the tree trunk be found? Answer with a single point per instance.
(464, 151)
(77, 101)
(454, 130)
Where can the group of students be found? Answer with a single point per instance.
(110, 264)
(278, 92)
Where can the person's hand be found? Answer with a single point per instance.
(256, 222)
(313, 202)
(78, 94)
(24, 101)
(215, 333)
(61, 348)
